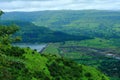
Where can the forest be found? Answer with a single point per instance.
(32, 33)
(25, 64)
(84, 42)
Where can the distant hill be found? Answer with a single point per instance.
(31, 33)
(25, 64)
(95, 23)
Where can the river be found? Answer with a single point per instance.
(38, 47)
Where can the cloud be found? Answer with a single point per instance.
(38, 5)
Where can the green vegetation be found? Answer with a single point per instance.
(44, 67)
(25, 64)
(86, 37)
(102, 24)
(90, 52)
(6, 34)
(51, 49)
(31, 33)
(95, 43)
(1, 12)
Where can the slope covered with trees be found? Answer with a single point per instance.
(31, 33)
(25, 64)
(94, 23)
(98, 30)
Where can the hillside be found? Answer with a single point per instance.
(34, 66)
(89, 37)
(26, 64)
(94, 23)
(31, 33)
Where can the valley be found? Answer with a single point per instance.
(88, 37)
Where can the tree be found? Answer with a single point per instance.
(1, 12)
(6, 33)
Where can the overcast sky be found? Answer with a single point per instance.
(38, 5)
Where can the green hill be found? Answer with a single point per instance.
(94, 23)
(31, 33)
(98, 30)
(25, 64)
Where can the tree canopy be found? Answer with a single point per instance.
(6, 32)
(1, 12)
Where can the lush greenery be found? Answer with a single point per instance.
(60, 26)
(92, 53)
(94, 23)
(33, 66)
(88, 37)
(25, 64)
(31, 33)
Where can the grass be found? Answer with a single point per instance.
(95, 43)
(51, 49)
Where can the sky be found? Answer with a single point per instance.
(40, 5)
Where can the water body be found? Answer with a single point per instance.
(37, 47)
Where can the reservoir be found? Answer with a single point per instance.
(37, 47)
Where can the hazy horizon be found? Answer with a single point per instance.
(41, 5)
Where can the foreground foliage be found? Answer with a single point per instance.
(30, 65)
(26, 64)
